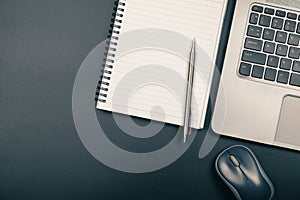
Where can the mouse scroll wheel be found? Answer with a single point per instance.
(234, 160)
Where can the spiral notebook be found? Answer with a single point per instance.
(146, 66)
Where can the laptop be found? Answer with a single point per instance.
(259, 92)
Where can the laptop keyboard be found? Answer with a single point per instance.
(271, 47)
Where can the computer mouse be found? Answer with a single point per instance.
(242, 173)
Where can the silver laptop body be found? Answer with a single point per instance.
(261, 104)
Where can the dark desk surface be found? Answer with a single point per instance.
(42, 44)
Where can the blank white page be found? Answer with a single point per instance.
(150, 66)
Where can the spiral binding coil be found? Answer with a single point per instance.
(112, 43)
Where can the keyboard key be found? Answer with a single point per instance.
(298, 27)
(280, 13)
(253, 44)
(257, 71)
(295, 80)
(254, 31)
(265, 20)
(245, 69)
(257, 9)
(296, 66)
(269, 11)
(293, 39)
(268, 34)
(269, 47)
(281, 37)
(283, 77)
(270, 74)
(253, 18)
(277, 23)
(281, 50)
(294, 53)
(253, 57)
(285, 64)
(292, 16)
(290, 26)
(273, 61)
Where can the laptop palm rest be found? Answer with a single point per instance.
(288, 130)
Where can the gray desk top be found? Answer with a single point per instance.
(42, 44)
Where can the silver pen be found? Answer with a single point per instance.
(188, 100)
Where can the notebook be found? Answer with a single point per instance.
(146, 67)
